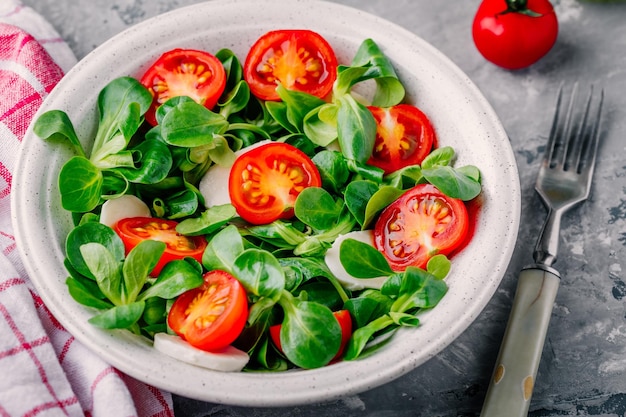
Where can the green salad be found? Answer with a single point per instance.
(262, 206)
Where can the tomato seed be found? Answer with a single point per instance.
(394, 227)
(159, 87)
(443, 213)
(188, 67)
(265, 69)
(313, 66)
(296, 176)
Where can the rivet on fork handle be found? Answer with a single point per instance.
(563, 181)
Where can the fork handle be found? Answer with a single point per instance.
(511, 385)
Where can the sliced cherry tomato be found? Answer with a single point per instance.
(133, 230)
(184, 72)
(514, 34)
(421, 223)
(213, 315)
(300, 60)
(265, 181)
(404, 136)
(345, 322)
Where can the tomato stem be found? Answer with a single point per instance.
(519, 6)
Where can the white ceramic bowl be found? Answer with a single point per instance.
(460, 114)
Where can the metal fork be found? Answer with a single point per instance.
(564, 180)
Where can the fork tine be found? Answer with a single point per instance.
(561, 160)
(554, 130)
(594, 139)
(581, 138)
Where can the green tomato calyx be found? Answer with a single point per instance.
(519, 6)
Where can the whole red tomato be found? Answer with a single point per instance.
(514, 33)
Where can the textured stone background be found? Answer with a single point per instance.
(583, 369)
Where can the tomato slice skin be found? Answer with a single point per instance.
(421, 223)
(404, 136)
(184, 72)
(345, 323)
(213, 315)
(265, 181)
(300, 60)
(134, 230)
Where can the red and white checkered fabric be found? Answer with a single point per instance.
(44, 371)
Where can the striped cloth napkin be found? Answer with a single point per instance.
(44, 371)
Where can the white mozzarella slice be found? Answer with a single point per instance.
(230, 359)
(334, 264)
(121, 208)
(334, 146)
(214, 186)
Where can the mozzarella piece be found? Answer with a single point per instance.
(230, 359)
(214, 184)
(121, 208)
(334, 146)
(334, 264)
